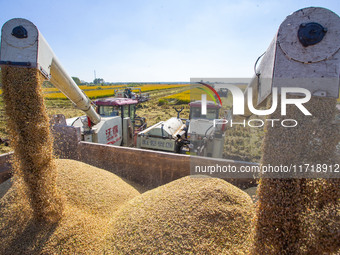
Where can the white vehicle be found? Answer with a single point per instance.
(196, 136)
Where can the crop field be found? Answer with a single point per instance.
(155, 110)
(186, 96)
(95, 92)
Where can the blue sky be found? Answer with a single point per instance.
(157, 40)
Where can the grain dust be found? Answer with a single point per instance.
(28, 125)
(299, 215)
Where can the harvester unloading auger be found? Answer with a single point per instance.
(304, 54)
(297, 213)
(22, 45)
(296, 86)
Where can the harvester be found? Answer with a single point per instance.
(112, 123)
(197, 135)
(131, 93)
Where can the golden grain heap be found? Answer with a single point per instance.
(92, 195)
(28, 125)
(189, 215)
(299, 215)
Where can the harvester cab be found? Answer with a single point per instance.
(110, 107)
(213, 110)
(206, 138)
(117, 124)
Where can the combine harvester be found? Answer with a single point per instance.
(308, 45)
(128, 93)
(196, 135)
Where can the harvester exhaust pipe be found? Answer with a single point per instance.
(23, 45)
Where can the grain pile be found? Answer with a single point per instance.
(299, 216)
(189, 215)
(91, 197)
(28, 125)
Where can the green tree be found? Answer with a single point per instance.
(76, 80)
(98, 81)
